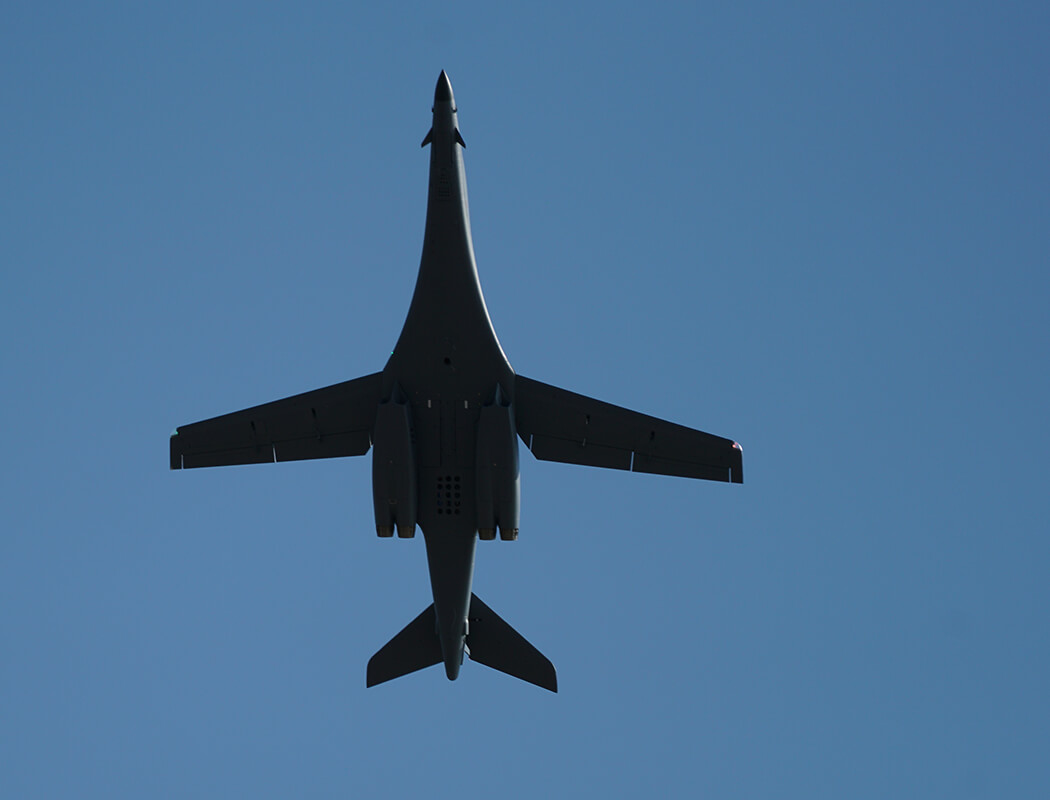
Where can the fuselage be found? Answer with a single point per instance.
(446, 366)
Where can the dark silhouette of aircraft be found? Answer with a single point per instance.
(442, 419)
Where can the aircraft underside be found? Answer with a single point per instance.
(443, 420)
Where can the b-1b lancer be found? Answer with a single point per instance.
(442, 420)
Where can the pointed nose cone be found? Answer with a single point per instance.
(443, 90)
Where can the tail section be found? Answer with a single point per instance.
(492, 642)
(416, 647)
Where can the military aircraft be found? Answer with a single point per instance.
(442, 420)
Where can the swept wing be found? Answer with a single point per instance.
(325, 423)
(558, 425)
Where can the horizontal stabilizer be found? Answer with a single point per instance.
(492, 642)
(415, 648)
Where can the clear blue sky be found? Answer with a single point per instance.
(821, 229)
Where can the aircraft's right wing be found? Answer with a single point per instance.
(558, 425)
(325, 423)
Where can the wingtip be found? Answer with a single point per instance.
(174, 453)
(553, 685)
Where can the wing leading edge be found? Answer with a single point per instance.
(558, 425)
(325, 423)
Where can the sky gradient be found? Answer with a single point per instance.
(820, 230)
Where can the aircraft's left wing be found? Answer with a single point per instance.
(558, 425)
(325, 423)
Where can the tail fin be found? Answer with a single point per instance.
(492, 642)
(416, 647)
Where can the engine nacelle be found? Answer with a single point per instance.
(498, 480)
(394, 468)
